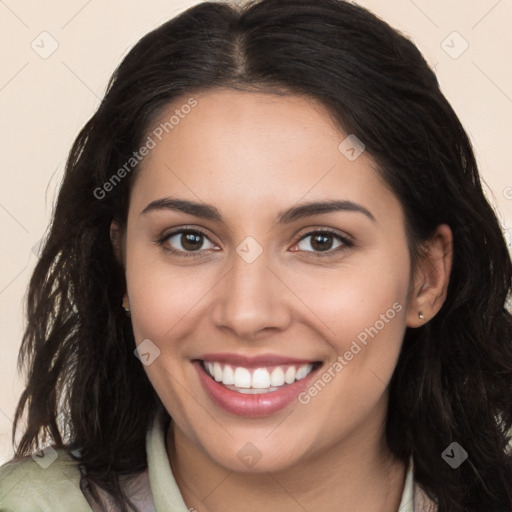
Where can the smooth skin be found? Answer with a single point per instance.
(252, 156)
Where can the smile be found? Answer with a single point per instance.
(255, 386)
(258, 380)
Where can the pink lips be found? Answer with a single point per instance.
(251, 404)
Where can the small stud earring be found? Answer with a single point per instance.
(125, 306)
(420, 316)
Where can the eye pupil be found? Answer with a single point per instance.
(319, 242)
(191, 241)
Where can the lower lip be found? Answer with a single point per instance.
(243, 404)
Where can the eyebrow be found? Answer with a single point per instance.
(206, 211)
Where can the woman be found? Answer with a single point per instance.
(272, 282)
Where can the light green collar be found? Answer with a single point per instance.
(166, 494)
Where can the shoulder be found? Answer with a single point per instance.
(47, 481)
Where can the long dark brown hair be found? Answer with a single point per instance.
(453, 380)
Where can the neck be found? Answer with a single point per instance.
(346, 477)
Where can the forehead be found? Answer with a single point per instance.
(244, 150)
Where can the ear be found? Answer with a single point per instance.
(116, 239)
(431, 277)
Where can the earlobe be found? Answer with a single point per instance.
(431, 278)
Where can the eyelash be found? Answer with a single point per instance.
(346, 243)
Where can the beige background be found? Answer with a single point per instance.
(45, 101)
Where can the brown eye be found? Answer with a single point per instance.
(191, 241)
(186, 241)
(323, 242)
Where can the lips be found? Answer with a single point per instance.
(254, 386)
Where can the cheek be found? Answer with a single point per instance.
(356, 298)
(162, 301)
(364, 321)
(161, 294)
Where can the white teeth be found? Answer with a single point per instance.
(289, 376)
(260, 381)
(217, 372)
(303, 371)
(229, 376)
(277, 377)
(242, 378)
(252, 391)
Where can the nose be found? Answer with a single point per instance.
(252, 300)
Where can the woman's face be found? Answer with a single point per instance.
(242, 278)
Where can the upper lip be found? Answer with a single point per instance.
(254, 361)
